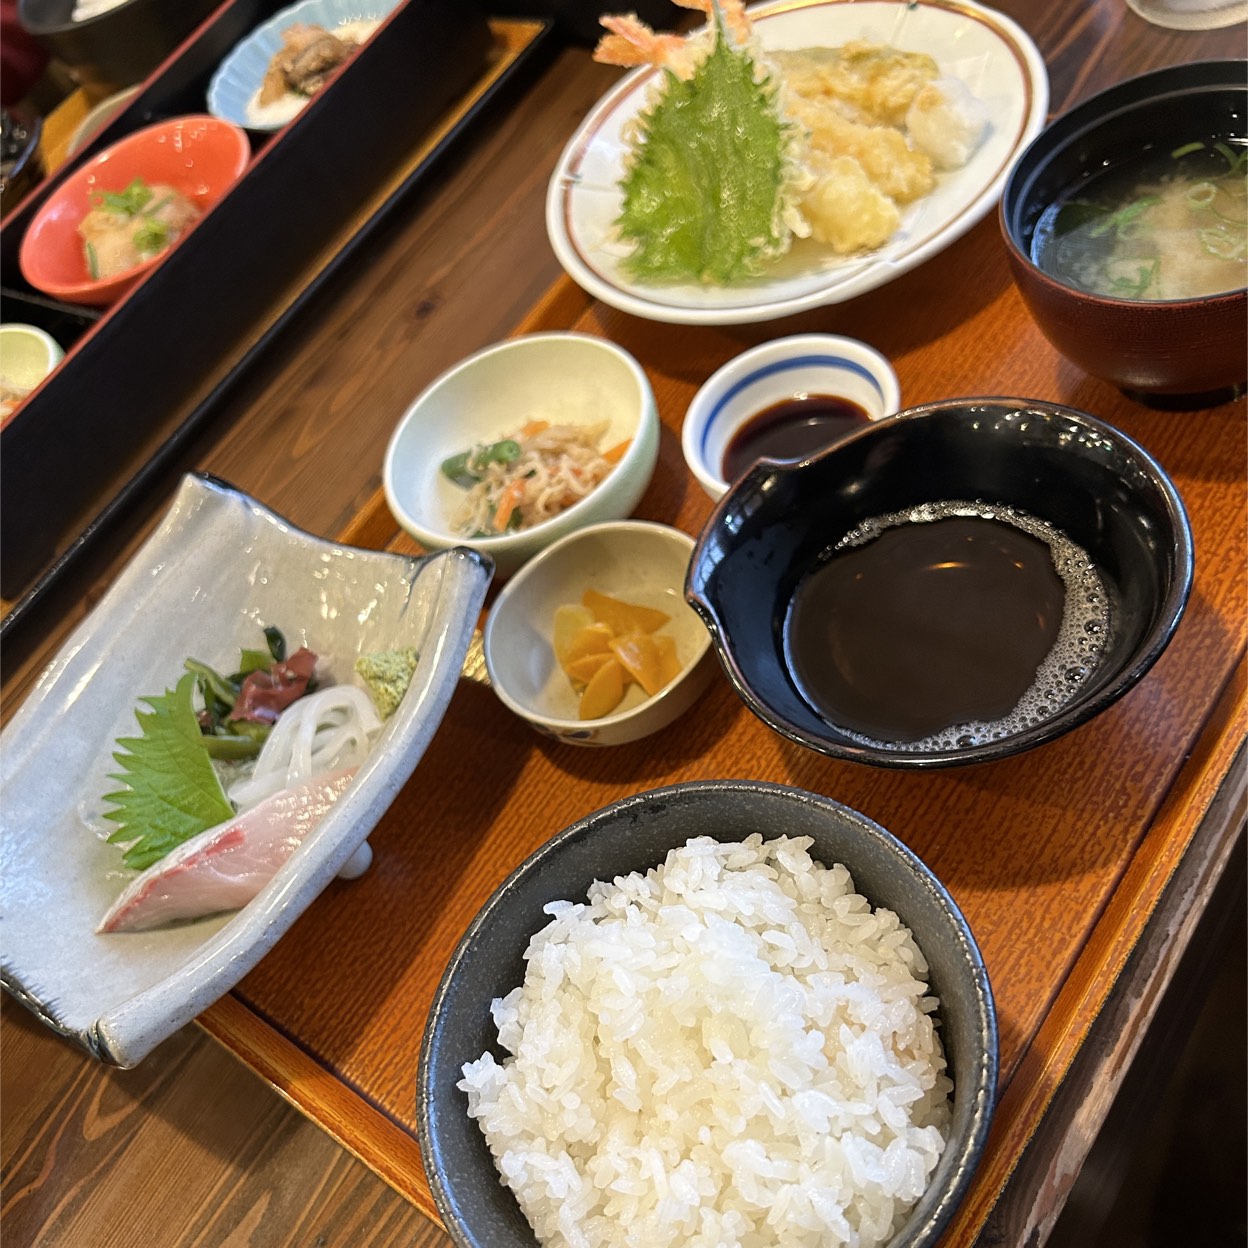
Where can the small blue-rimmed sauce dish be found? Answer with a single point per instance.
(784, 400)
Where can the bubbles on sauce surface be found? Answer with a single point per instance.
(791, 430)
(946, 626)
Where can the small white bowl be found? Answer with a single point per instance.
(561, 377)
(635, 560)
(27, 354)
(785, 368)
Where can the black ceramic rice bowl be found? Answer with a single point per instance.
(1082, 476)
(635, 834)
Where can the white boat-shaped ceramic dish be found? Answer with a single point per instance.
(219, 567)
(238, 77)
(989, 52)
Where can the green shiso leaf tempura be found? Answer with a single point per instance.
(703, 188)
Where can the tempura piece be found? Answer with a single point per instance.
(845, 209)
(947, 122)
(888, 161)
(694, 209)
(868, 82)
(631, 42)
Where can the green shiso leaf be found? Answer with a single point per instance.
(171, 789)
(703, 187)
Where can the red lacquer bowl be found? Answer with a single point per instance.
(1184, 353)
(200, 156)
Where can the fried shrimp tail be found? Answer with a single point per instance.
(630, 42)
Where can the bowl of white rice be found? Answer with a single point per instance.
(722, 1014)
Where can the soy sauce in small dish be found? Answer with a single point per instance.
(790, 430)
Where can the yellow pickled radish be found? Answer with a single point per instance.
(594, 639)
(669, 664)
(582, 670)
(623, 617)
(639, 656)
(604, 692)
(570, 619)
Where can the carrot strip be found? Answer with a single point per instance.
(507, 504)
(616, 453)
(534, 427)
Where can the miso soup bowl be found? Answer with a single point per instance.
(1080, 475)
(1176, 353)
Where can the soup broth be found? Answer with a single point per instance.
(1171, 227)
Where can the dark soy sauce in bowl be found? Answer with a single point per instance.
(948, 625)
(790, 430)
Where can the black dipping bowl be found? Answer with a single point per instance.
(1178, 353)
(114, 49)
(1088, 479)
(635, 834)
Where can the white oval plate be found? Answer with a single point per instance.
(988, 51)
(219, 567)
(240, 74)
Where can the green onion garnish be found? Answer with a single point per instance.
(128, 203)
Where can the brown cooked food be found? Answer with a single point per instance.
(308, 55)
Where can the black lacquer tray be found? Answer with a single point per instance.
(140, 377)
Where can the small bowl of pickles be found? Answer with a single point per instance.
(592, 641)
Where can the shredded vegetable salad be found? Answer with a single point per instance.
(526, 478)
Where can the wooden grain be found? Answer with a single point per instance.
(1056, 857)
(187, 1149)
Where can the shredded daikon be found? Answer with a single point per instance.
(557, 465)
(323, 731)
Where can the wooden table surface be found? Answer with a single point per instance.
(1082, 872)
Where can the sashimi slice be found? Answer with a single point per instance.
(224, 867)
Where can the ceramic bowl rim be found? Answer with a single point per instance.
(55, 352)
(560, 726)
(504, 544)
(1168, 615)
(30, 18)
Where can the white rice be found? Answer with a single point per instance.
(731, 1051)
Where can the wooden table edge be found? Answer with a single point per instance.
(1035, 1193)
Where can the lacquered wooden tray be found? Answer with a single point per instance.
(1057, 857)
